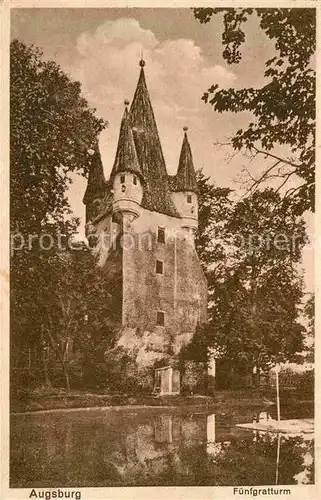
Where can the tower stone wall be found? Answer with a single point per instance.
(180, 291)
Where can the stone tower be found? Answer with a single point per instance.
(145, 222)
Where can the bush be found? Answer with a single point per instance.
(24, 379)
(94, 375)
(306, 382)
(300, 382)
(125, 376)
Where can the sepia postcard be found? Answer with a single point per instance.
(158, 250)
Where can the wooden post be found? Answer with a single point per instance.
(211, 371)
(210, 428)
(277, 459)
(277, 391)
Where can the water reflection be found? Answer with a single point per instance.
(151, 447)
(302, 477)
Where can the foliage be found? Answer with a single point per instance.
(283, 108)
(309, 313)
(257, 300)
(81, 307)
(51, 132)
(303, 381)
(124, 374)
(214, 207)
(255, 289)
(197, 348)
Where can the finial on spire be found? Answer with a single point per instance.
(185, 128)
(141, 62)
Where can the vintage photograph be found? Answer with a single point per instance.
(162, 248)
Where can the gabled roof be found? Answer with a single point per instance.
(156, 195)
(96, 178)
(126, 157)
(185, 179)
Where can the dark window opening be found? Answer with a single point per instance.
(123, 188)
(160, 318)
(122, 179)
(135, 179)
(159, 267)
(189, 198)
(161, 235)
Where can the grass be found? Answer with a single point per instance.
(225, 400)
(48, 399)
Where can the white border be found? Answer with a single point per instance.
(304, 492)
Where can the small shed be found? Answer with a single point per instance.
(167, 381)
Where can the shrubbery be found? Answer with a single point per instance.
(301, 382)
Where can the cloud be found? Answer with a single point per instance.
(120, 33)
(177, 74)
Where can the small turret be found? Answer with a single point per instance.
(185, 188)
(126, 174)
(96, 186)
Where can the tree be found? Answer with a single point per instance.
(256, 299)
(309, 313)
(250, 250)
(81, 308)
(52, 130)
(214, 208)
(284, 108)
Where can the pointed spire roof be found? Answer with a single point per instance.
(186, 178)
(156, 195)
(126, 157)
(96, 180)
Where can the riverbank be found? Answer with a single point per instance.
(43, 400)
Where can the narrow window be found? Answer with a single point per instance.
(122, 179)
(123, 188)
(160, 320)
(189, 198)
(161, 235)
(159, 267)
(135, 179)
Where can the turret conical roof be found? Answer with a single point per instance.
(185, 179)
(96, 180)
(126, 157)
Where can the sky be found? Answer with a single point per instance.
(101, 48)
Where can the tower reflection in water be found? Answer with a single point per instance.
(173, 430)
(115, 448)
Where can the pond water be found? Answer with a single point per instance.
(154, 446)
